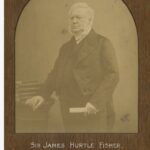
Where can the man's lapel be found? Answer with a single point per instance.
(86, 46)
(84, 51)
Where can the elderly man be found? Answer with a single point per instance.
(85, 74)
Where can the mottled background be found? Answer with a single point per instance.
(43, 28)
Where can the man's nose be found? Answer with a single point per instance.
(74, 20)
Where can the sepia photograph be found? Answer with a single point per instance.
(76, 67)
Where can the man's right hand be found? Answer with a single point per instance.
(35, 102)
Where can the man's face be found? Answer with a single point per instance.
(79, 20)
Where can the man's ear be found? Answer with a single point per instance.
(90, 21)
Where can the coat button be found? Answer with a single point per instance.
(86, 91)
(87, 77)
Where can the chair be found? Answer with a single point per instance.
(28, 120)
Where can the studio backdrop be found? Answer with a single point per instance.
(43, 28)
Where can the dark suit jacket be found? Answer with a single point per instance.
(96, 71)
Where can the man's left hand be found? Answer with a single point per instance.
(91, 109)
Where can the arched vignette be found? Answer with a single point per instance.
(21, 10)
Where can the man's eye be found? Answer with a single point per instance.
(77, 17)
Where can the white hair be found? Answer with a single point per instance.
(84, 6)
